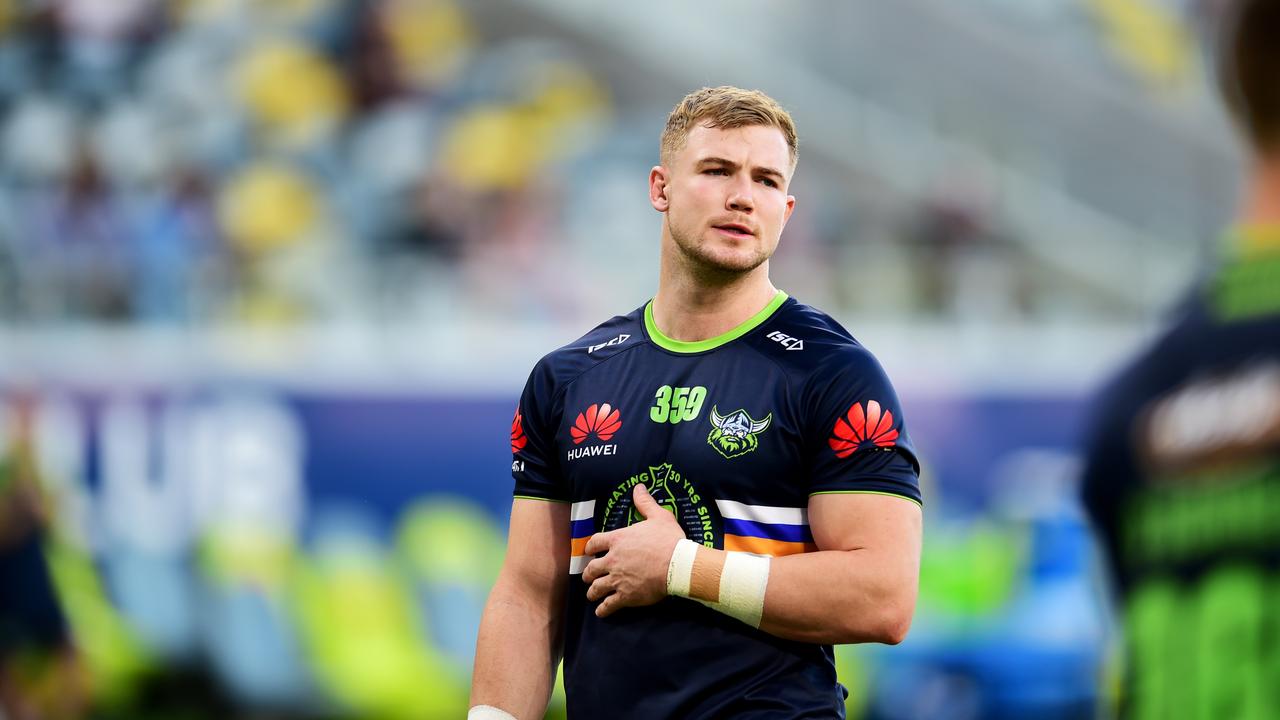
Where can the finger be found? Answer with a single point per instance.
(598, 543)
(645, 504)
(608, 606)
(601, 588)
(594, 571)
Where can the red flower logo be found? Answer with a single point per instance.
(597, 419)
(858, 427)
(518, 439)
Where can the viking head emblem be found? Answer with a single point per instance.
(735, 434)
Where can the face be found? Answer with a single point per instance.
(725, 196)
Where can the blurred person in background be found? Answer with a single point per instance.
(41, 675)
(725, 468)
(77, 235)
(1183, 472)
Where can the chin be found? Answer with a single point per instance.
(735, 262)
(714, 255)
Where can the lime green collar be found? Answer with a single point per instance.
(681, 346)
(1247, 284)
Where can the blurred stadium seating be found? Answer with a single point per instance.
(319, 161)
(272, 272)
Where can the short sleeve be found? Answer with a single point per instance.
(533, 458)
(857, 439)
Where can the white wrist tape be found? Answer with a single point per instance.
(680, 571)
(488, 712)
(740, 591)
(742, 586)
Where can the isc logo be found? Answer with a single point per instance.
(616, 341)
(786, 341)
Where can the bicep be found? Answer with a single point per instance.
(537, 558)
(887, 526)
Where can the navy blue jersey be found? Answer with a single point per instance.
(1182, 481)
(732, 435)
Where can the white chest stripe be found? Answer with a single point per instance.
(763, 513)
(583, 510)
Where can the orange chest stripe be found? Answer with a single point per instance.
(765, 546)
(578, 546)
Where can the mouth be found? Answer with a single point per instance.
(735, 230)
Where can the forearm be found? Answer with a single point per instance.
(840, 597)
(861, 587)
(517, 651)
(832, 597)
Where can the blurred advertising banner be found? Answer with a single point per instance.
(328, 554)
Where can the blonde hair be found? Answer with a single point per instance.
(725, 107)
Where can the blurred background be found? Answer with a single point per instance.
(273, 272)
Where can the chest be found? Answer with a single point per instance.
(694, 430)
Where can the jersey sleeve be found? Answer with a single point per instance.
(534, 465)
(856, 436)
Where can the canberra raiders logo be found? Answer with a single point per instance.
(674, 493)
(735, 434)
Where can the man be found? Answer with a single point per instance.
(711, 490)
(1183, 472)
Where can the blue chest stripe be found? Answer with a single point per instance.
(785, 533)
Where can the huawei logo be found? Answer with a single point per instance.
(518, 439)
(599, 419)
(858, 428)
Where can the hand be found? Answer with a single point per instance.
(633, 570)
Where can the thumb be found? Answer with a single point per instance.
(645, 504)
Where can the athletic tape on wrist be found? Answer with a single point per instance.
(742, 586)
(680, 569)
(742, 581)
(488, 712)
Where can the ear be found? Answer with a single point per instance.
(791, 206)
(658, 179)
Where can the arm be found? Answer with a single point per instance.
(859, 587)
(861, 584)
(520, 639)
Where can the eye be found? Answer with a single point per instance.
(715, 171)
(769, 182)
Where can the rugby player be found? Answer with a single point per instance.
(1182, 478)
(713, 489)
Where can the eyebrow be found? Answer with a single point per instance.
(761, 169)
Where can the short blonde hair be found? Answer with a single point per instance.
(725, 107)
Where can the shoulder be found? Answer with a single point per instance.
(807, 342)
(1166, 359)
(1114, 427)
(606, 340)
(1113, 415)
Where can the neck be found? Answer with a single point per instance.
(694, 304)
(1262, 194)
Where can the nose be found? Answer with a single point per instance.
(739, 198)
